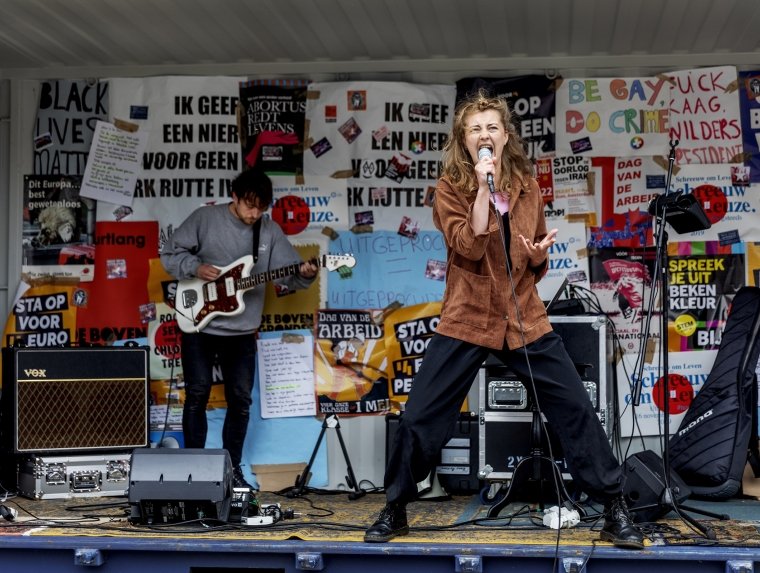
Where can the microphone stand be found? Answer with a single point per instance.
(543, 470)
(661, 270)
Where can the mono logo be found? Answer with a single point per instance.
(694, 423)
(35, 372)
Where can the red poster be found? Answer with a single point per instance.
(116, 300)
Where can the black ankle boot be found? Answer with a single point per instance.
(391, 523)
(619, 527)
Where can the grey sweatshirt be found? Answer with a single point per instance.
(214, 236)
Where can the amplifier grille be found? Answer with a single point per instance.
(81, 414)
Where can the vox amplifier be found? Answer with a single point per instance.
(75, 399)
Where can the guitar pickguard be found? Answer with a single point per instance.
(221, 295)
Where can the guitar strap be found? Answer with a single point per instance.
(256, 233)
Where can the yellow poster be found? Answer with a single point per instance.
(349, 363)
(161, 285)
(753, 264)
(45, 315)
(407, 333)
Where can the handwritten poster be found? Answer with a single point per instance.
(704, 115)
(286, 371)
(612, 116)
(113, 164)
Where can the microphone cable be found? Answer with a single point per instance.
(525, 350)
(559, 487)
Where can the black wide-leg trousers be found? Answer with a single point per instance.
(441, 385)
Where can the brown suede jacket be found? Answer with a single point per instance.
(478, 305)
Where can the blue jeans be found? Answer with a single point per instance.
(236, 356)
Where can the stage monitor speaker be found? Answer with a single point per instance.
(173, 485)
(645, 485)
(75, 399)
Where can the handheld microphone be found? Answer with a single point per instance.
(484, 152)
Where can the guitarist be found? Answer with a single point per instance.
(211, 238)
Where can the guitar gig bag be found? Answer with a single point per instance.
(719, 431)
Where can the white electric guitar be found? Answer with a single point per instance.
(197, 301)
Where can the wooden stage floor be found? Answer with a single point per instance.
(325, 533)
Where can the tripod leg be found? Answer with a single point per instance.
(496, 508)
(722, 516)
(670, 501)
(701, 527)
(350, 478)
(304, 477)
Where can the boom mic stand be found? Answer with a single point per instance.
(536, 475)
(685, 215)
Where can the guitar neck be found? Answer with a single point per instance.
(246, 283)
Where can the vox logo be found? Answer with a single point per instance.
(35, 372)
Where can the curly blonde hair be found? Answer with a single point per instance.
(456, 163)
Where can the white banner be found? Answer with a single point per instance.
(729, 200)
(387, 138)
(192, 153)
(309, 210)
(568, 259)
(612, 116)
(687, 374)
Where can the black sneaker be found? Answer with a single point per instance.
(238, 480)
(391, 523)
(619, 527)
